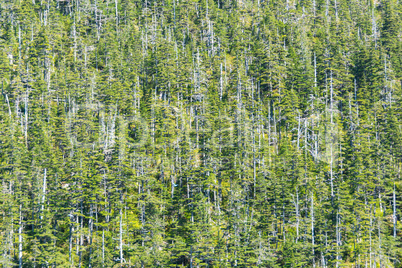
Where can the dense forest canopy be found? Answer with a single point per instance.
(200, 133)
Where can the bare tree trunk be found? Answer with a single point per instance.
(90, 234)
(43, 193)
(20, 239)
(337, 239)
(26, 120)
(121, 237)
(394, 211)
(117, 16)
(221, 84)
(312, 226)
(71, 244)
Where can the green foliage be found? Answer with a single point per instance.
(200, 133)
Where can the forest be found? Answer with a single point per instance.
(200, 133)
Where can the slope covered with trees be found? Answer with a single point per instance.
(200, 133)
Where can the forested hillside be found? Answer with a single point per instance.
(200, 133)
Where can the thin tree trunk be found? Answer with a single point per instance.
(20, 239)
